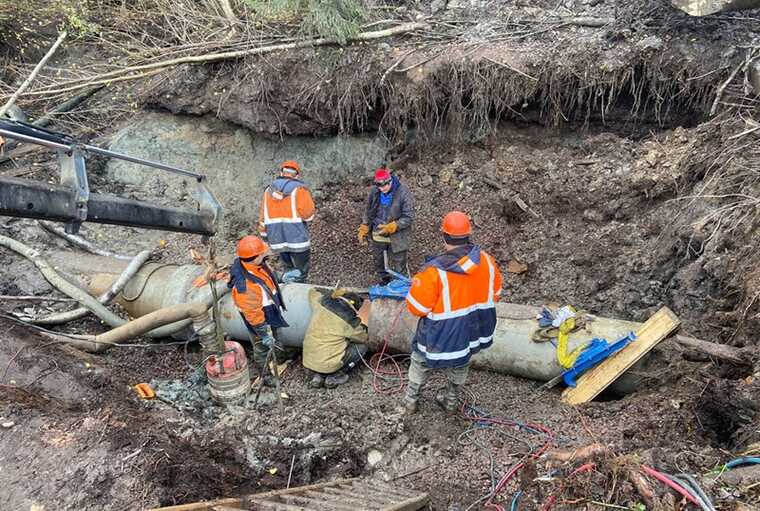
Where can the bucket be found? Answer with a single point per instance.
(228, 376)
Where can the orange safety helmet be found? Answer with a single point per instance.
(251, 246)
(291, 167)
(456, 224)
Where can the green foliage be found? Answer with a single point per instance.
(75, 19)
(333, 19)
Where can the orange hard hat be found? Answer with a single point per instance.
(290, 166)
(251, 246)
(456, 224)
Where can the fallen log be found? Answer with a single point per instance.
(720, 351)
(741, 476)
(141, 71)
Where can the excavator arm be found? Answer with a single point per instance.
(72, 203)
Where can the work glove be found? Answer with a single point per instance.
(363, 231)
(387, 229)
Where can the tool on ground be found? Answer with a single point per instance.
(594, 381)
(144, 391)
(72, 203)
(596, 351)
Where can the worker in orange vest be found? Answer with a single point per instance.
(258, 299)
(454, 296)
(286, 209)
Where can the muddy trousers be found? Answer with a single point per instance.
(396, 260)
(297, 261)
(260, 336)
(419, 373)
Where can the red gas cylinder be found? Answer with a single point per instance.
(228, 374)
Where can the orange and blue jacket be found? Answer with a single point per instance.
(455, 296)
(256, 295)
(285, 209)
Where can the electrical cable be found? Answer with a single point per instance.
(744, 460)
(480, 416)
(695, 485)
(686, 485)
(549, 504)
(672, 484)
(515, 500)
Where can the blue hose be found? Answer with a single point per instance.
(515, 501)
(744, 460)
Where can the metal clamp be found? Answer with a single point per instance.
(74, 175)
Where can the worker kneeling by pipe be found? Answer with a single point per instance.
(335, 340)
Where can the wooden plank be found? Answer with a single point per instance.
(239, 501)
(412, 504)
(350, 501)
(201, 506)
(659, 326)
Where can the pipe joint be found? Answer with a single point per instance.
(205, 328)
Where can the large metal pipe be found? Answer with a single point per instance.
(513, 352)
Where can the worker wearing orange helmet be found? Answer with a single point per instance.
(454, 296)
(258, 299)
(389, 216)
(286, 209)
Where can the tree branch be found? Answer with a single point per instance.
(33, 75)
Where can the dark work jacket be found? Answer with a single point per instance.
(401, 211)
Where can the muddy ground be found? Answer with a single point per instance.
(80, 437)
(75, 436)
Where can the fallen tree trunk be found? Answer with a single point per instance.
(150, 69)
(719, 351)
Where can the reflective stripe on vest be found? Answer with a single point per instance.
(448, 338)
(448, 313)
(287, 232)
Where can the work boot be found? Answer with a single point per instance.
(450, 400)
(317, 381)
(336, 379)
(268, 381)
(407, 408)
(451, 407)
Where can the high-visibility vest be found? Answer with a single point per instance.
(255, 303)
(457, 308)
(285, 208)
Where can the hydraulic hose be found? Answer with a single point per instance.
(130, 271)
(698, 489)
(153, 322)
(672, 484)
(744, 460)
